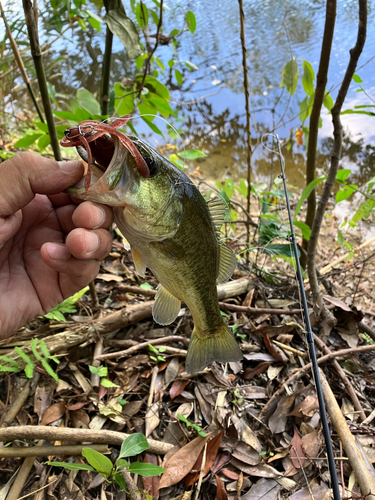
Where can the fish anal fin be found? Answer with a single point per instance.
(227, 263)
(203, 350)
(139, 264)
(217, 208)
(166, 307)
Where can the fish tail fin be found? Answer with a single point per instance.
(203, 350)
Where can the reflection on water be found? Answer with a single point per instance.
(276, 30)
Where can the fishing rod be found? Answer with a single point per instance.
(309, 334)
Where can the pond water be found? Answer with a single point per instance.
(211, 100)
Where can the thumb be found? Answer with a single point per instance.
(27, 174)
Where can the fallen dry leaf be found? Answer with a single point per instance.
(306, 408)
(182, 461)
(53, 413)
(270, 347)
(264, 489)
(211, 453)
(177, 387)
(319, 493)
(221, 493)
(297, 453)
(250, 373)
(277, 421)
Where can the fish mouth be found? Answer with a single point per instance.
(109, 176)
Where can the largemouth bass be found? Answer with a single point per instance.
(175, 233)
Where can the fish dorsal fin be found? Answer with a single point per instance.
(227, 263)
(217, 208)
(166, 307)
(140, 266)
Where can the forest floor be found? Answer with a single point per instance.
(256, 429)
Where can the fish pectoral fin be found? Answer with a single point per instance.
(140, 266)
(227, 263)
(217, 208)
(166, 307)
(220, 346)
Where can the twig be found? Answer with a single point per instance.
(300, 372)
(325, 269)
(148, 60)
(256, 310)
(28, 432)
(39, 489)
(199, 485)
(130, 343)
(132, 487)
(48, 451)
(19, 61)
(143, 345)
(19, 402)
(22, 477)
(366, 329)
(106, 69)
(321, 82)
(291, 349)
(248, 116)
(95, 379)
(39, 68)
(370, 418)
(357, 463)
(344, 378)
(94, 295)
(136, 290)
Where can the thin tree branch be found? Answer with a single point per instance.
(321, 82)
(336, 149)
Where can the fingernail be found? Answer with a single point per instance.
(69, 166)
(57, 251)
(92, 242)
(99, 215)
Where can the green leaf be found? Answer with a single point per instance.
(107, 383)
(173, 158)
(133, 445)
(343, 174)
(121, 463)
(191, 66)
(44, 141)
(162, 106)
(49, 370)
(306, 231)
(363, 212)
(305, 110)
(29, 370)
(23, 355)
(87, 101)
(340, 238)
(33, 344)
(102, 371)
(152, 126)
(328, 101)
(11, 362)
(9, 369)
(344, 194)
(70, 466)
(355, 112)
(308, 78)
(357, 79)
(125, 30)
(141, 12)
(191, 21)
(306, 193)
(146, 286)
(147, 470)
(125, 105)
(100, 462)
(173, 33)
(154, 86)
(66, 115)
(191, 154)
(154, 17)
(27, 140)
(119, 480)
(56, 315)
(95, 24)
(280, 249)
(178, 75)
(289, 76)
(94, 16)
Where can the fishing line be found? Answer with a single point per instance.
(308, 332)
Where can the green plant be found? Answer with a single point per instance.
(157, 352)
(133, 445)
(102, 371)
(66, 307)
(190, 424)
(238, 399)
(42, 357)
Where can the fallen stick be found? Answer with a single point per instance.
(48, 451)
(28, 432)
(325, 269)
(257, 310)
(357, 463)
(139, 346)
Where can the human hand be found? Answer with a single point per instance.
(49, 247)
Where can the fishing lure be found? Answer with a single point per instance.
(92, 131)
